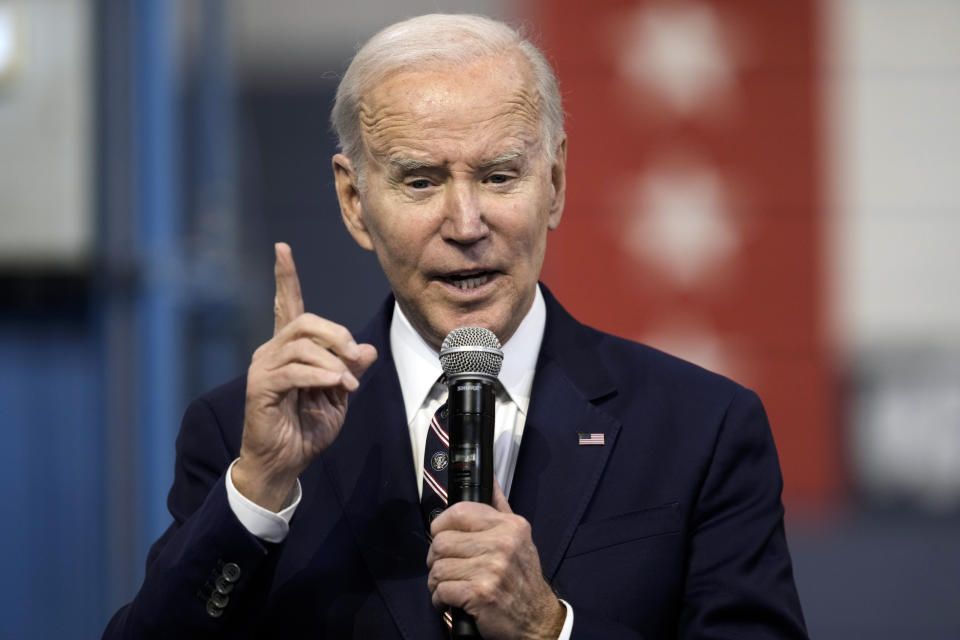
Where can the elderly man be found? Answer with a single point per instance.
(297, 497)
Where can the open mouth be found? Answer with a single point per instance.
(469, 280)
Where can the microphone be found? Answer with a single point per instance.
(471, 359)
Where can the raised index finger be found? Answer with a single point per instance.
(288, 301)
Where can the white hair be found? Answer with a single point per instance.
(452, 39)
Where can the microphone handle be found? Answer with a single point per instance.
(471, 407)
(464, 627)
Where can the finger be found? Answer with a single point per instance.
(452, 593)
(500, 502)
(366, 356)
(302, 376)
(458, 544)
(306, 351)
(328, 335)
(466, 516)
(325, 333)
(446, 569)
(484, 567)
(288, 301)
(471, 595)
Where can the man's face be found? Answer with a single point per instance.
(459, 193)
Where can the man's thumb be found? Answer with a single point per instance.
(500, 502)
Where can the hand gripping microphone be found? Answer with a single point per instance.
(471, 359)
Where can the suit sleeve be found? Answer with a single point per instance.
(740, 579)
(206, 576)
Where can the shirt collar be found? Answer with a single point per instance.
(418, 365)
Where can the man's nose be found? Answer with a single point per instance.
(464, 220)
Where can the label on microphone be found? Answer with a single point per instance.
(464, 477)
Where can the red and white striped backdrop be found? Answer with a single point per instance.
(695, 206)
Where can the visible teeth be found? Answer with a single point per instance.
(470, 283)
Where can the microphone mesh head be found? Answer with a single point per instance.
(471, 350)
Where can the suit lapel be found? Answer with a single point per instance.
(371, 470)
(556, 477)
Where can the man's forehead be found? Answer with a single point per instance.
(508, 68)
(489, 93)
(439, 97)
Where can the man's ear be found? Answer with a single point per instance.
(558, 178)
(348, 193)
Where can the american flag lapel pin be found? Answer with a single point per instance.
(589, 438)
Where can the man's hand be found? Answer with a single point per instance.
(483, 560)
(297, 387)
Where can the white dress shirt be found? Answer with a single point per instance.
(418, 369)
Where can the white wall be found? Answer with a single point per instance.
(893, 132)
(45, 135)
(306, 35)
(894, 145)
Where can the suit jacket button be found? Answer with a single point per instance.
(219, 600)
(231, 572)
(222, 586)
(214, 611)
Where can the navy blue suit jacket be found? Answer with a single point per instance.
(672, 528)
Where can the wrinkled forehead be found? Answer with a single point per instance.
(488, 98)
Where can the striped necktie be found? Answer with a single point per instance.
(436, 459)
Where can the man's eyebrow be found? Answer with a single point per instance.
(507, 156)
(406, 164)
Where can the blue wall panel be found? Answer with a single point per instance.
(52, 585)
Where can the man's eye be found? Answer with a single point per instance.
(498, 178)
(419, 184)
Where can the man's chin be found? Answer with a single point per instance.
(475, 320)
(435, 326)
(439, 329)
